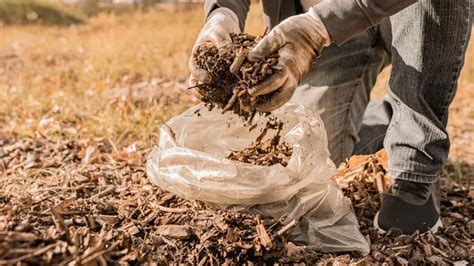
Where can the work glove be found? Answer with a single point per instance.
(220, 23)
(298, 40)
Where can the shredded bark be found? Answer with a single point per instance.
(453, 242)
(232, 75)
(265, 152)
(79, 201)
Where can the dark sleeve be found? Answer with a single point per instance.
(345, 18)
(239, 7)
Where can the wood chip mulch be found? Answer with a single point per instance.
(231, 75)
(266, 152)
(74, 201)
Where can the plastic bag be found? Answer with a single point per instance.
(190, 162)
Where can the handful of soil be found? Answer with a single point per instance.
(268, 152)
(232, 75)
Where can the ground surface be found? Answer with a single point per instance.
(80, 108)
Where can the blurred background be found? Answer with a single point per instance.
(116, 69)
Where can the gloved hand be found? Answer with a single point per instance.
(219, 24)
(298, 40)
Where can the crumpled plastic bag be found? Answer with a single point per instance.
(190, 162)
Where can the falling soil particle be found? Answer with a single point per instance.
(265, 152)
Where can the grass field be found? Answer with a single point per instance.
(75, 69)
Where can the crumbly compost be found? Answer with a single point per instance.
(265, 152)
(232, 75)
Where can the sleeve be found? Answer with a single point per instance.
(345, 18)
(239, 7)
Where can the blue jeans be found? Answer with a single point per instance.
(425, 44)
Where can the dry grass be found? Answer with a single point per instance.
(68, 73)
(64, 76)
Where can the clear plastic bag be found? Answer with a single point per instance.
(190, 162)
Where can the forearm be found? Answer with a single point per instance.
(345, 18)
(239, 7)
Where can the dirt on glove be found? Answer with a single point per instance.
(232, 74)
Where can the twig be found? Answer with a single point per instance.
(262, 135)
(286, 228)
(238, 60)
(18, 236)
(400, 247)
(59, 222)
(198, 86)
(169, 128)
(106, 192)
(91, 257)
(231, 102)
(379, 182)
(167, 209)
(28, 256)
(114, 147)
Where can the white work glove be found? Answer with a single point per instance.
(298, 40)
(220, 23)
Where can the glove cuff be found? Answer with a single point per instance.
(319, 26)
(226, 18)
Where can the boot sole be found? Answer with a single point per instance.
(433, 229)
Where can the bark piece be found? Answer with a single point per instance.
(175, 231)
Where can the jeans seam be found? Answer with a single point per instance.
(452, 87)
(402, 175)
(409, 173)
(351, 99)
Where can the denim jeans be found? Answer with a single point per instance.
(425, 44)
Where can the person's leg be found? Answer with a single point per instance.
(378, 114)
(374, 126)
(338, 88)
(428, 47)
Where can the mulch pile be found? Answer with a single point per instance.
(232, 75)
(74, 201)
(453, 242)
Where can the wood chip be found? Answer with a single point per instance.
(263, 236)
(232, 75)
(175, 231)
(62, 207)
(62, 220)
